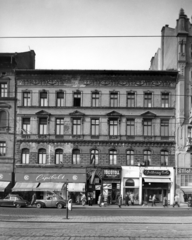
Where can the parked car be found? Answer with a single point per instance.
(13, 200)
(51, 201)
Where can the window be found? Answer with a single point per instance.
(112, 157)
(26, 99)
(43, 99)
(94, 127)
(77, 99)
(3, 90)
(42, 126)
(130, 127)
(26, 126)
(95, 99)
(113, 127)
(94, 156)
(42, 156)
(76, 156)
(130, 157)
(114, 99)
(147, 99)
(165, 100)
(60, 99)
(25, 156)
(130, 99)
(164, 128)
(76, 126)
(164, 158)
(186, 180)
(147, 127)
(59, 126)
(147, 157)
(3, 120)
(58, 156)
(2, 148)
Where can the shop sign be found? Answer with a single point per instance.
(112, 173)
(184, 170)
(5, 176)
(147, 172)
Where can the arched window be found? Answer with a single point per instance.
(42, 156)
(130, 157)
(113, 157)
(164, 158)
(3, 120)
(147, 157)
(76, 156)
(129, 183)
(94, 156)
(25, 156)
(59, 156)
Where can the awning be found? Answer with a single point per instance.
(157, 180)
(3, 185)
(50, 186)
(187, 190)
(24, 187)
(76, 187)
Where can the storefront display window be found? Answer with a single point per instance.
(131, 185)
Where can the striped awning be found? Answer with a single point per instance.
(157, 180)
(3, 185)
(24, 187)
(50, 186)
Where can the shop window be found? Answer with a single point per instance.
(130, 157)
(130, 127)
(59, 126)
(147, 127)
(43, 99)
(95, 127)
(164, 128)
(25, 156)
(165, 100)
(42, 126)
(60, 99)
(26, 126)
(113, 127)
(95, 99)
(26, 99)
(130, 99)
(42, 156)
(113, 157)
(76, 156)
(77, 99)
(3, 90)
(2, 149)
(113, 99)
(3, 120)
(59, 156)
(148, 100)
(76, 126)
(129, 182)
(94, 156)
(164, 158)
(147, 157)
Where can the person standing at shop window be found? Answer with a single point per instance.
(153, 200)
(176, 202)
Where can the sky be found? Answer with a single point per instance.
(49, 18)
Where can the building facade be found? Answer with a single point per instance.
(176, 54)
(94, 129)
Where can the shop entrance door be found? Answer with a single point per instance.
(160, 193)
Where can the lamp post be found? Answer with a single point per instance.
(67, 199)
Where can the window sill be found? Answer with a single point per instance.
(113, 137)
(27, 136)
(95, 137)
(59, 136)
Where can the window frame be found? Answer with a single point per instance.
(42, 156)
(164, 128)
(114, 101)
(147, 156)
(130, 128)
(147, 100)
(59, 126)
(148, 127)
(58, 156)
(26, 99)
(80, 101)
(76, 157)
(43, 102)
(94, 153)
(3, 148)
(112, 157)
(95, 127)
(4, 93)
(25, 156)
(4, 120)
(26, 128)
(112, 126)
(131, 102)
(95, 100)
(45, 130)
(164, 158)
(130, 157)
(165, 102)
(60, 102)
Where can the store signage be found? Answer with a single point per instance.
(184, 170)
(112, 173)
(5, 176)
(147, 172)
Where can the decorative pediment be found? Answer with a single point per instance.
(42, 113)
(76, 113)
(148, 114)
(114, 114)
(4, 105)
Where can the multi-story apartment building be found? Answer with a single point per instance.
(176, 54)
(8, 63)
(108, 132)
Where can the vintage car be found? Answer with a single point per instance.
(13, 200)
(51, 201)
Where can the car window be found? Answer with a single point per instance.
(54, 199)
(7, 198)
(49, 198)
(13, 198)
(19, 198)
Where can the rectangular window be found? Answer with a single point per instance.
(26, 126)
(3, 90)
(26, 99)
(186, 180)
(95, 99)
(94, 127)
(77, 99)
(43, 99)
(114, 99)
(60, 99)
(59, 126)
(130, 157)
(147, 127)
(113, 127)
(130, 127)
(164, 128)
(165, 100)
(76, 126)
(147, 99)
(43, 126)
(130, 99)
(2, 148)
(147, 157)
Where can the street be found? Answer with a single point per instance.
(96, 223)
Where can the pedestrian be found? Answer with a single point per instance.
(176, 201)
(99, 200)
(83, 199)
(34, 197)
(89, 199)
(132, 197)
(153, 200)
(165, 203)
(120, 201)
(189, 202)
(127, 199)
(145, 203)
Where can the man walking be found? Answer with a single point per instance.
(176, 202)
(127, 199)
(153, 200)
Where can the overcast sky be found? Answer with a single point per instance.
(88, 18)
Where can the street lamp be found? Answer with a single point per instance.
(67, 199)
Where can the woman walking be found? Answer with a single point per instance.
(120, 201)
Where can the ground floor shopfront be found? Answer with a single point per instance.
(5, 183)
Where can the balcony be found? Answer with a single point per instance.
(26, 136)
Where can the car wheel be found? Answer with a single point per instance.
(17, 205)
(39, 205)
(59, 205)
